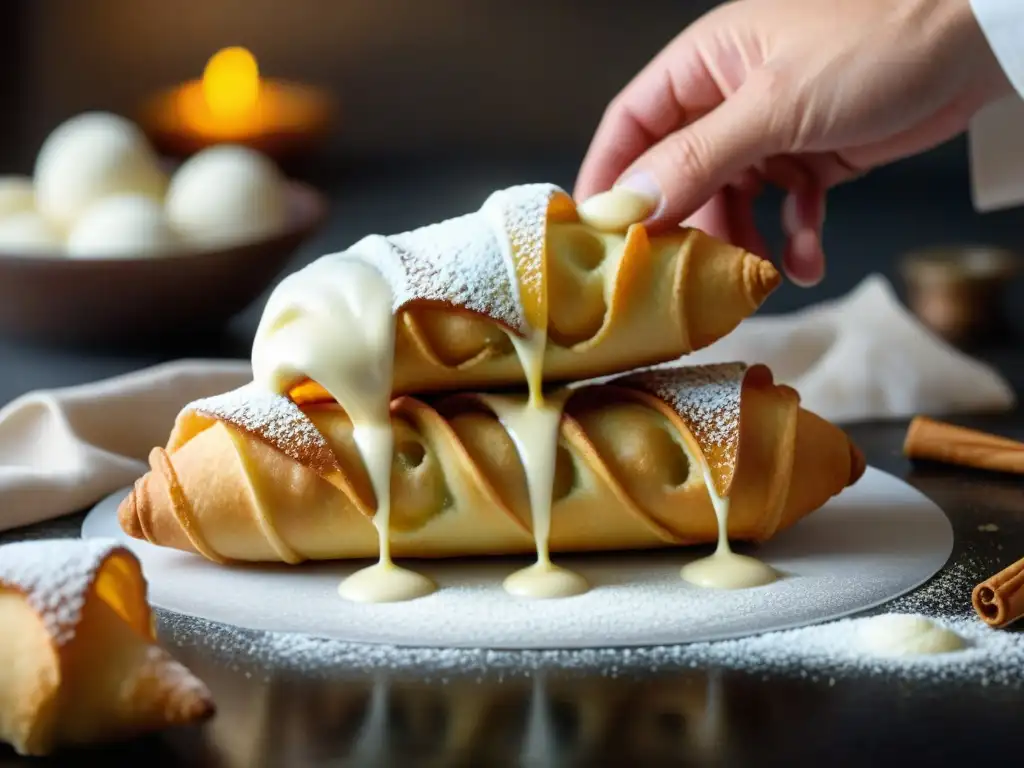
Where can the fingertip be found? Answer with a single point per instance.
(646, 186)
(583, 190)
(804, 259)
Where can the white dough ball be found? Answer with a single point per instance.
(17, 195)
(91, 156)
(123, 226)
(227, 194)
(29, 233)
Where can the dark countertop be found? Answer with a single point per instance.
(595, 716)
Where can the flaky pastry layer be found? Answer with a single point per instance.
(263, 479)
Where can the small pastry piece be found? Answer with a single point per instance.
(79, 663)
(465, 291)
(249, 476)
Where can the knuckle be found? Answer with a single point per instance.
(777, 100)
(689, 156)
(769, 83)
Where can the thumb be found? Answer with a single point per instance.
(686, 168)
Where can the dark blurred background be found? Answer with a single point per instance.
(439, 103)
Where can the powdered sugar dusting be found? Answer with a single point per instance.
(461, 262)
(272, 417)
(835, 649)
(55, 576)
(522, 212)
(469, 261)
(707, 399)
(830, 650)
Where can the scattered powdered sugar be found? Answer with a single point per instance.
(837, 649)
(834, 649)
(272, 417)
(948, 595)
(707, 399)
(55, 575)
(841, 648)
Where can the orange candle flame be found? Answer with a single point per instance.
(231, 84)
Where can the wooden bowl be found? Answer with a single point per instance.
(958, 291)
(112, 301)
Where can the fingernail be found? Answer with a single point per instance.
(790, 220)
(644, 184)
(804, 262)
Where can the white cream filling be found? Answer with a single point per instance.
(896, 634)
(337, 326)
(724, 569)
(615, 210)
(534, 428)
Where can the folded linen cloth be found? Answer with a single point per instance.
(864, 356)
(860, 357)
(64, 449)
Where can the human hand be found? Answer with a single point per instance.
(802, 94)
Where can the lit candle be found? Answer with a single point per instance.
(233, 103)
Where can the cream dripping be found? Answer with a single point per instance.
(725, 569)
(334, 322)
(707, 398)
(299, 336)
(535, 424)
(534, 427)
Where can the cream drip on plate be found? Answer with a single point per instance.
(707, 399)
(356, 370)
(534, 427)
(725, 569)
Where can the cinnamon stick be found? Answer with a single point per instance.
(999, 600)
(938, 441)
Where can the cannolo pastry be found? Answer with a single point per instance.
(657, 458)
(458, 298)
(79, 663)
(526, 289)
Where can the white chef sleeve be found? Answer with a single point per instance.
(996, 134)
(1002, 22)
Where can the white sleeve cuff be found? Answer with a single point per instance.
(1002, 22)
(996, 146)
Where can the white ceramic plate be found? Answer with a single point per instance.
(872, 543)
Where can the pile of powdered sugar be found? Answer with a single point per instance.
(832, 650)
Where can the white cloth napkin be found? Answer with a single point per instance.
(860, 357)
(864, 356)
(64, 449)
